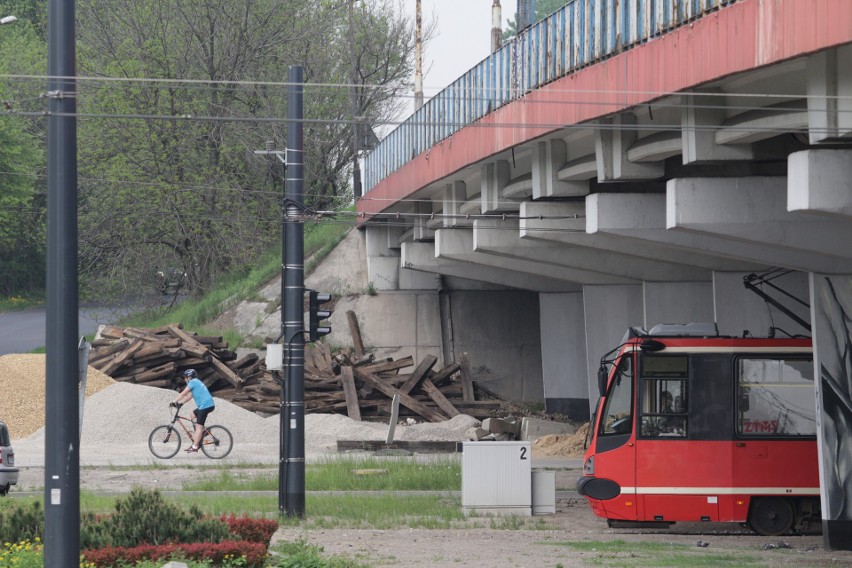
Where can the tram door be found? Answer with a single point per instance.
(615, 452)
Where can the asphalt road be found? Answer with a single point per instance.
(25, 330)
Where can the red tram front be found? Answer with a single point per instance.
(693, 426)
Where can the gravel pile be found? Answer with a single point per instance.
(118, 419)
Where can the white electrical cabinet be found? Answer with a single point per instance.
(496, 478)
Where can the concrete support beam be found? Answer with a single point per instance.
(494, 177)
(756, 125)
(457, 244)
(494, 236)
(829, 90)
(701, 115)
(382, 261)
(547, 159)
(455, 195)
(820, 181)
(565, 223)
(753, 209)
(421, 257)
(422, 229)
(563, 355)
(642, 216)
(613, 139)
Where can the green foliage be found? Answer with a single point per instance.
(21, 521)
(660, 555)
(22, 554)
(543, 8)
(174, 183)
(303, 555)
(341, 474)
(22, 162)
(144, 517)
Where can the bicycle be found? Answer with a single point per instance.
(164, 441)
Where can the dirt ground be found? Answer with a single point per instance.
(567, 538)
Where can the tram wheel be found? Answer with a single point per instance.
(771, 516)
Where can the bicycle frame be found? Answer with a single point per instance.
(190, 432)
(164, 441)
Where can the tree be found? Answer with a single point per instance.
(22, 161)
(543, 8)
(168, 175)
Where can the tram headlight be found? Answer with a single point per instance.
(589, 466)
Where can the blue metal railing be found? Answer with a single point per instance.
(581, 33)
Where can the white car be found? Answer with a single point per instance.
(8, 471)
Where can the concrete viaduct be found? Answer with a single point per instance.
(628, 163)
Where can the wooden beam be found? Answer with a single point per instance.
(424, 367)
(355, 330)
(466, 378)
(406, 400)
(386, 366)
(439, 398)
(347, 378)
(122, 357)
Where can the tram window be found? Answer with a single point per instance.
(775, 397)
(618, 410)
(664, 396)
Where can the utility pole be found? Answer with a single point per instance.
(496, 26)
(62, 429)
(353, 97)
(418, 71)
(291, 489)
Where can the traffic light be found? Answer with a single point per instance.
(316, 315)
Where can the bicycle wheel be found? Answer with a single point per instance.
(164, 442)
(217, 442)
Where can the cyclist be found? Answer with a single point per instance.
(196, 390)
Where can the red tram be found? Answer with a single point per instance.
(693, 426)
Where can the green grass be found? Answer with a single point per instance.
(355, 474)
(620, 553)
(21, 302)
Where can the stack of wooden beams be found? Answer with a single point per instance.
(348, 381)
(158, 357)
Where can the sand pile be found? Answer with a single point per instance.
(22, 384)
(562, 445)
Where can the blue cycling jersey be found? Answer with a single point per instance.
(200, 394)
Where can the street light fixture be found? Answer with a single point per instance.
(8, 20)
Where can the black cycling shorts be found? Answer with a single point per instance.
(201, 414)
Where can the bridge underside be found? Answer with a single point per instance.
(643, 189)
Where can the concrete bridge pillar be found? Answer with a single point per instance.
(563, 356)
(676, 302)
(831, 306)
(609, 311)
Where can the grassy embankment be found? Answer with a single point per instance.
(194, 314)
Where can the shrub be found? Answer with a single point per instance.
(250, 529)
(251, 554)
(19, 523)
(144, 517)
